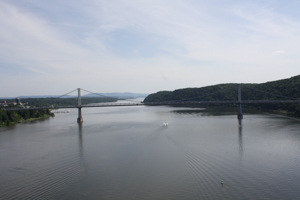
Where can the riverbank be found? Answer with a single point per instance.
(8, 118)
(246, 109)
(4, 124)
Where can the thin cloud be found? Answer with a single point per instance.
(192, 43)
(279, 52)
(26, 39)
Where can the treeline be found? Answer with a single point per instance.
(275, 90)
(11, 117)
(44, 102)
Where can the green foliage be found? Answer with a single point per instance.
(215, 92)
(8, 117)
(3, 116)
(286, 87)
(44, 102)
(14, 116)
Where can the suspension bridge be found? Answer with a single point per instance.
(239, 102)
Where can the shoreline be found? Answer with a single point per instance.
(45, 116)
(27, 120)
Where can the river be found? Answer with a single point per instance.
(128, 153)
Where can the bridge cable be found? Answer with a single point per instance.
(101, 95)
(271, 93)
(65, 94)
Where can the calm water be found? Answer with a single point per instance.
(127, 153)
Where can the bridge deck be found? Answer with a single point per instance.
(158, 103)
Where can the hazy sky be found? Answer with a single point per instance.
(53, 47)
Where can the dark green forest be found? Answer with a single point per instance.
(11, 117)
(275, 90)
(40, 102)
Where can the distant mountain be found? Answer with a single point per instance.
(37, 96)
(274, 90)
(125, 95)
(285, 89)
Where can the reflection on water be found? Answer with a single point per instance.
(128, 153)
(240, 137)
(80, 140)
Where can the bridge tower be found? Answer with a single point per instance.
(79, 119)
(240, 115)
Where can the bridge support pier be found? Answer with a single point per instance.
(79, 119)
(240, 114)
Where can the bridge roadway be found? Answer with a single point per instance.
(157, 104)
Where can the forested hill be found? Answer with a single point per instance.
(282, 88)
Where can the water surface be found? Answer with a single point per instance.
(127, 153)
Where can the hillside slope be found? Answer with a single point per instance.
(274, 90)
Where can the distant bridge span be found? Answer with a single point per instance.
(157, 104)
(239, 102)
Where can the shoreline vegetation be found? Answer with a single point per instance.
(47, 102)
(275, 90)
(8, 118)
(246, 109)
(285, 89)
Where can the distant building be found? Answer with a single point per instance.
(3, 103)
(17, 100)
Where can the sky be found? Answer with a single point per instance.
(144, 46)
